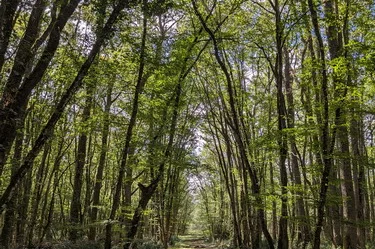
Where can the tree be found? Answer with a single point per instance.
(250, 122)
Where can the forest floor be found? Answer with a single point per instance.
(193, 241)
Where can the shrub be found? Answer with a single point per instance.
(147, 244)
(173, 240)
(78, 245)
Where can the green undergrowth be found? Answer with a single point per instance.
(189, 241)
(197, 240)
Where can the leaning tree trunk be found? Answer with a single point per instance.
(148, 191)
(236, 127)
(47, 130)
(16, 95)
(7, 15)
(129, 133)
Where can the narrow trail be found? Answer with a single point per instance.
(193, 241)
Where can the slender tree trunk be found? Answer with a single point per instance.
(8, 231)
(23, 209)
(7, 16)
(245, 206)
(350, 232)
(102, 162)
(75, 205)
(334, 211)
(128, 197)
(326, 144)
(274, 209)
(303, 228)
(359, 162)
(283, 241)
(55, 177)
(37, 194)
(129, 133)
(236, 129)
(59, 109)
(15, 96)
(147, 192)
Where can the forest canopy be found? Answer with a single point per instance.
(132, 123)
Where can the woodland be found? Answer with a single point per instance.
(132, 123)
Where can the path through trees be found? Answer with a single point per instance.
(126, 122)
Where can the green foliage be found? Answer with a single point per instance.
(206, 185)
(147, 244)
(174, 239)
(84, 244)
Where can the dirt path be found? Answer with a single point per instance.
(193, 241)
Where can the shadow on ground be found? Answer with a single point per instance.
(193, 241)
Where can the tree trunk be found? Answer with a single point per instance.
(7, 16)
(283, 241)
(59, 109)
(75, 205)
(129, 133)
(128, 197)
(336, 39)
(23, 209)
(350, 210)
(7, 233)
(101, 165)
(37, 194)
(147, 192)
(236, 128)
(359, 162)
(55, 176)
(15, 96)
(303, 231)
(326, 144)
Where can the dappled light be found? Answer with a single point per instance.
(156, 124)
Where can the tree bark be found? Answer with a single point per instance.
(326, 144)
(8, 231)
(236, 128)
(7, 16)
(76, 203)
(303, 232)
(46, 132)
(359, 162)
(336, 38)
(102, 162)
(283, 241)
(129, 133)
(15, 97)
(23, 57)
(37, 193)
(147, 192)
